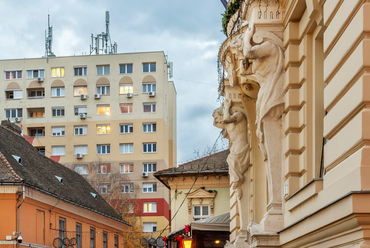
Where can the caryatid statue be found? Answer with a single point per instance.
(266, 56)
(233, 121)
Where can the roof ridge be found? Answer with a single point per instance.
(202, 157)
(7, 164)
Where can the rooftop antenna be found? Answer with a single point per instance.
(49, 41)
(101, 43)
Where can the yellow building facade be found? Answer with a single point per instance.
(114, 113)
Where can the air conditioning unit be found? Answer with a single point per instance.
(151, 93)
(82, 115)
(144, 174)
(17, 119)
(79, 155)
(40, 80)
(129, 95)
(97, 96)
(83, 97)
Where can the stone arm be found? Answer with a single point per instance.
(259, 51)
(236, 117)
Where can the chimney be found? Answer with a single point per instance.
(11, 126)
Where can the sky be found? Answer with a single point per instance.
(188, 31)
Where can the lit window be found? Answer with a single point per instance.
(57, 72)
(150, 227)
(13, 113)
(36, 132)
(125, 108)
(13, 74)
(36, 93)
(149, 107)
(200, 212)
(103, 149)
(149, 127)
(149, 87)
(126, 148)
(127, 188)
(126, 128)
(103, 89)
(81, 149)
(81, 169)
(104, 169)
(149, 167)
(57, 92)
(57, 111)
(80, 71)
(13, 94)
(58, 131)
(103, 129)
(104, 189)
(126, 88)
(38, 73)
(149, 67)
(149, 147)
(80, 130)
(80, 110)
(58, 151)
(127, 168)
(103, 109)
(36, 112)
(149, 187)
(126, 68)
(102, 70)
(150, 207)
(79, 90)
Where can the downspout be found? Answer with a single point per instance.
(24, 196)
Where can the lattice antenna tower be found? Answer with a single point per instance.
(101, 43)
(49, 40)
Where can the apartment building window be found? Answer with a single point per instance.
(105, 239)
(125, 108)
(13, 94)
(36, 132)
(200, 212)
(103, 89)
(15, 74)
(58, 150)
(103, 109)
(125, 68)
(126, 168)
(36, 93)
(80, 71)
(62, 231)
(102, 70)
(81, 169)
(150, 227)
(58, 131)
(36, 73)
(149, 87)
(127, 188)
(57, 111)
(149, 147)
(80, 130)
(40, 149)
(92, 238)
(79, 90)
(126, 148)
(103, 149)
(78, 235)
(149, 167)
(80, 110)
(150, 207)
(150, 127)
(104, 189)
(149, 107)
(104, 169)
(149, 67)
(149, 187)
(126, 128)
(126, 88)
(103, 129)
(81, 149)
(115, 242)
(13, 113)
(57, 72)
(58, 92)
(36, 112)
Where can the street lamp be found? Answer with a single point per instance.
(187, 242)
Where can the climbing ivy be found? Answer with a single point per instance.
(229, 12)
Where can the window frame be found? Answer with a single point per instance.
(54, 91)
(106, 149)
(149, 206)
(130, 108)
(81, 169)
(80, 127)
(77, 89)
(106, 109)
(127, 188)
(150, 68)
(103, 90)
(104, 169)
(153, 107)
(18, 113)
(57, 72)
(11, 95)
(39, 93)
(150, 147)
(126, 88)
(37, 129)
(104, 69)
(62, 231)
(153, 167)
(62, 131)
(104, 129)
(92, 237)
(80, 109)
(149, 87)
(83, 71)
(201, 215)
(153, 227)
(150, 187)
(78, 235)
(126, 148)
(150, 125)
(39, 74)
(126, 128)
(57, 112)
(17, 72)
(37, 111)
(126, 168)
(57, 154)
(125, 66)
(84, 148)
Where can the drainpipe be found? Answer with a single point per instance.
(24, 196)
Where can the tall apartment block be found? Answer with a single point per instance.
(116, 112)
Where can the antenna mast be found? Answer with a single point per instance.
(101, 43)
(49, 40)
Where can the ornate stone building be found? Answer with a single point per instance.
(296, 113)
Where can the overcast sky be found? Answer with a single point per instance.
(188, 31)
